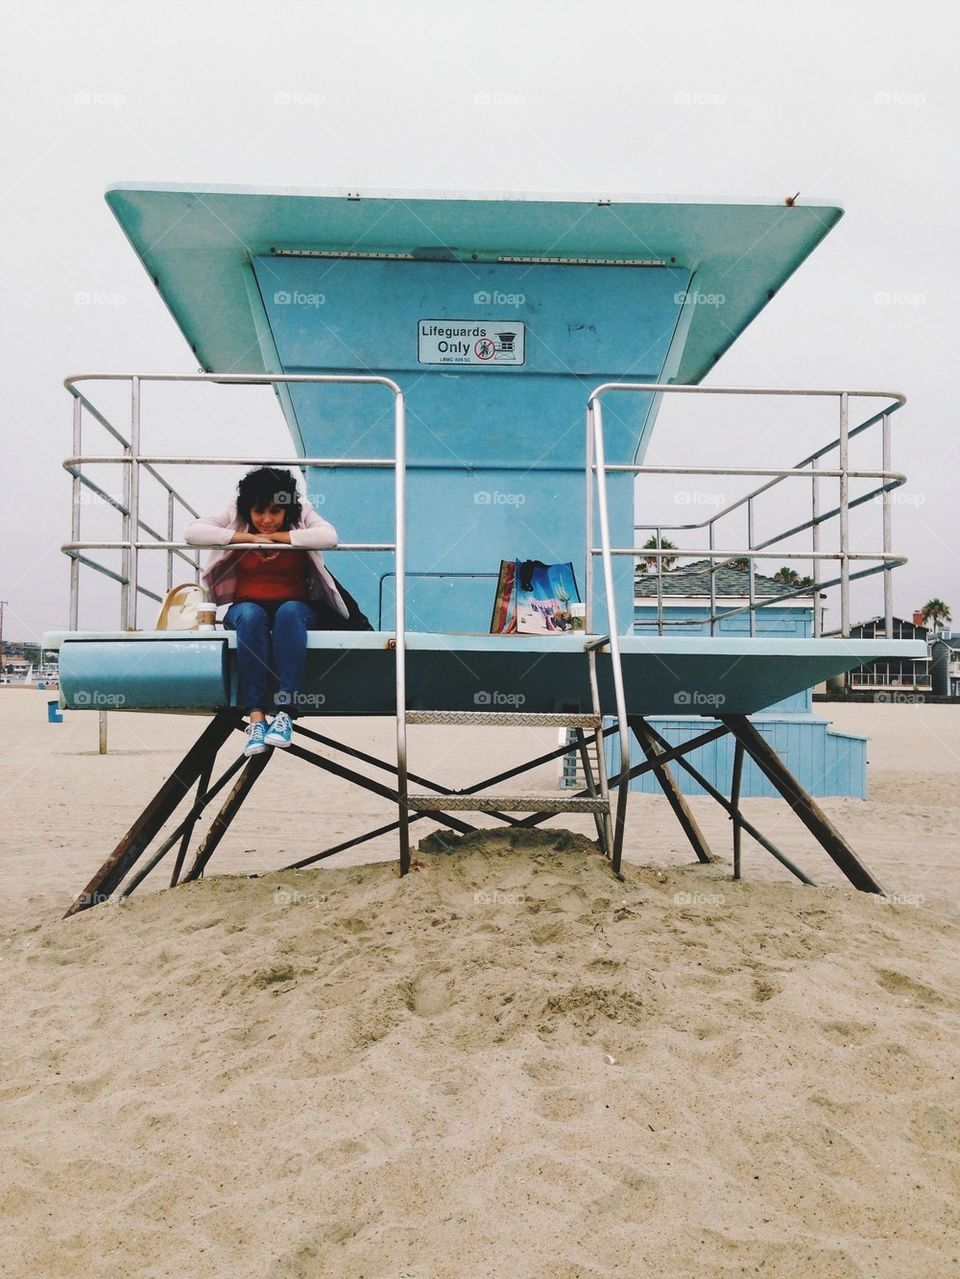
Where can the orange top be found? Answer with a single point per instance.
(276, 575)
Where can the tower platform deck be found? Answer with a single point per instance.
(353, 672)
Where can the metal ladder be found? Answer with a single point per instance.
(597, 802)
(610, 820)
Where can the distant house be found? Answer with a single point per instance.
(945, 665)
(912, 673)
(16, 668)
(685, 591)
(825, 762)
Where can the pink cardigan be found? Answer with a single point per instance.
(313, 533)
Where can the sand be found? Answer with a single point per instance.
(507, 1064)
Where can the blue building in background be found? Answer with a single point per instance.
(824, 761)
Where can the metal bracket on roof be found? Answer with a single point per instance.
(444, 254)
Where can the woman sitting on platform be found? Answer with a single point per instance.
(275, 596)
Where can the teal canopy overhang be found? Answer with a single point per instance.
(197, 244)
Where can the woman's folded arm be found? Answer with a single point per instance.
(315, 533)
(211, 530)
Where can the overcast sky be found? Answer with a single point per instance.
(853, 102)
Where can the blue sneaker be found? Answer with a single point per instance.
(256, 734)
(280, 732)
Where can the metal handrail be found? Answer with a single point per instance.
(746, 553)
(329, 463)
(596, 466)
(135, 461)
(797, 469)
(130, 589)
(174, 546)
(597, 470)
(883, 561)
(809, 592)
(108, 498)
(425, 573)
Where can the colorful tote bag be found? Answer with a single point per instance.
(534, 598)
(504, 620)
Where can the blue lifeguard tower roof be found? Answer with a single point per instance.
(571, 291)
(197, 242)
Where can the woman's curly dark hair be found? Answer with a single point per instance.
(269, 486)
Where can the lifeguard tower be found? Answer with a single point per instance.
(473, 378)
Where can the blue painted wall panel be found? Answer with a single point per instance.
(495, 454)
(825, 763)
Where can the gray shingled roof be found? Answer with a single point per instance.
(694, 579)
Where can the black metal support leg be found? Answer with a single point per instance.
(735, 805)
(804, 805)
(202, 785)
(182, 832)
(668, 785)
(231, 806)
(138, 838)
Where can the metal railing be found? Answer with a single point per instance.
(440, 575)
(597, 470)
(136, 463)
(128, 507)
(808, 470)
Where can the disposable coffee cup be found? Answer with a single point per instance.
(206, 616)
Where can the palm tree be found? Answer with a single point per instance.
(650, 561)
(935, 612)
(790, 577)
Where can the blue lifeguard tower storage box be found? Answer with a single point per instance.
(824, 761)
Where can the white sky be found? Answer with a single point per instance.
(856, 102)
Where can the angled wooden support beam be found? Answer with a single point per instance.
(182, 832)
(735, 804)
(138, 838)
(668, 784)
(188, 825)
(804, 805)
(728, 806)
(231, 806)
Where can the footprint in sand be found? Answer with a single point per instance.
(562, 1105)
(895, 983)
(847, 1032)
(431, 991)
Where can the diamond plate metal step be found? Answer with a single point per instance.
(506, 804)
(531, 718)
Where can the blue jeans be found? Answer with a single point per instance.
(271, 641)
